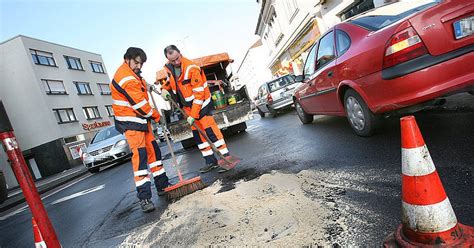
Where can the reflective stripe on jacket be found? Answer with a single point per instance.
(190, 87)
(130, 101)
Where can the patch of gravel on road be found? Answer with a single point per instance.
(309, 208)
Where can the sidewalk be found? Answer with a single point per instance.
(15, 196)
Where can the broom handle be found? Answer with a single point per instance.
(213, 147)
(164, 129)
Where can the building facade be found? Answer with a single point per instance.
(252, 71)
(289, 28)
(56, 97)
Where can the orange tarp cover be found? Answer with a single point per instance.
(201, 62)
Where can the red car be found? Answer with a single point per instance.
(398, 58)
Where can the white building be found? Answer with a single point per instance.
(288, 28)
(56, 97)
(252, 71)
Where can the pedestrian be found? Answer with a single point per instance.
(188, 83)
(133, 115)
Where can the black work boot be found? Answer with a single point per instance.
(208, 167)
(147, 205)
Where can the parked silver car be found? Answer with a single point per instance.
(276, 94)
(108, 146)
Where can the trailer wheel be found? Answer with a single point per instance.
(238, 128)
(188, 143)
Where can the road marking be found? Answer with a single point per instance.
(81, 193)
(252, 128)
(25, 207)
(14, 213)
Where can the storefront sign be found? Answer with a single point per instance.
(87, 126)
(77, 150)
(292, 57)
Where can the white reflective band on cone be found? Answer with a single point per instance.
(219, 143)
(432, 218)
(131, 119)
(417, 162)
(157, 173)
(140, 173)
(140, 104)
(41, 244)
(207, 153)
(224, 151)
(125, 79)
(203, 145)
(156, 163)
(143, 181)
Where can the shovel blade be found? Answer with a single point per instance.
(228, 162)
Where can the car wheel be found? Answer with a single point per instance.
(261, 113)
(304, 117)
(94, 169)
(361, 119)
(272, 112)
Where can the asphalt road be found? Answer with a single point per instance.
(364, 174)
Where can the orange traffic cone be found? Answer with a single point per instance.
(427, 216)
(39, 242)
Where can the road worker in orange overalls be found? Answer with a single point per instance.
(133, 115)
(188, 83)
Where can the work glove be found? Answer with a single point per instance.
(165, 94)
(190, 120)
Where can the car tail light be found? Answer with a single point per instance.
(269, 98)
(403, 46)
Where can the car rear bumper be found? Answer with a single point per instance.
(442, 79)
(282, 103)
(106, 158)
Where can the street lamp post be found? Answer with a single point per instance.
(23, 175)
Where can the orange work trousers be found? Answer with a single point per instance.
(146, 156)
(208, 125)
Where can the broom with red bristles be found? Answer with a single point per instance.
(183, 187)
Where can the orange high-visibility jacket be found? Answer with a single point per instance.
(130, 101)
(190, 88)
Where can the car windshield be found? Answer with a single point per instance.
(384, 16)
(280, 83)
(104, 134)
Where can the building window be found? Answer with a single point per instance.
(291, 8)
(356, 8)
(91, 112)
(54, 87)
(274, 29)
(110, 111)
(42, 58)
(104, 89)
(74, 63)
(65, 115)
(97, 67)
(83, 88)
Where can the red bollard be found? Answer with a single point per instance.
(23, 175)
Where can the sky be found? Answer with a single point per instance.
(197, 27)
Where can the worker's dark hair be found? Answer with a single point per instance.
(169, 49)
(133, 52)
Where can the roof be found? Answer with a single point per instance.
(203, 62)
(49, 42)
